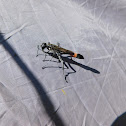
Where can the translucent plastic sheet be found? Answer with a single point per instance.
(95, 94)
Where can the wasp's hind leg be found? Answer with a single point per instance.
(63, 63)
(63, 71)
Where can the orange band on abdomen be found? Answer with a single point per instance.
(75, 55)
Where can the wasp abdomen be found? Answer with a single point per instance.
(79, 56)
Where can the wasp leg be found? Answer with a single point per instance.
(53, 54)
(44, 60)
(63, 71)
(74, 71)
(46, 54)
(51, 58)
(63, 63)
(70, 57)
(66, 68)
(59, 57)
(38, 51)
(63, 67)
(44, 57)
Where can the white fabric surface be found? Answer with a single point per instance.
(93, 28)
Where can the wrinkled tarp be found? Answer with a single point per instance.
(32, 96)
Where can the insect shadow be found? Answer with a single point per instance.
(41, 92)
(67, 61)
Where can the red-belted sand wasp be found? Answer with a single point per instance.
(58, 51)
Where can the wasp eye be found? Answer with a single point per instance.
(43, 44)
(43, 47)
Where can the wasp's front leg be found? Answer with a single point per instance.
(38, 50)
(44, 57)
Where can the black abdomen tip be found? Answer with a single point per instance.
(79, 56)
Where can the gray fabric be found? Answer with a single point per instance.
(32, 96)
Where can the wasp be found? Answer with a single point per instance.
(57, 51)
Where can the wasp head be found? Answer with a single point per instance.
(43, 46)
